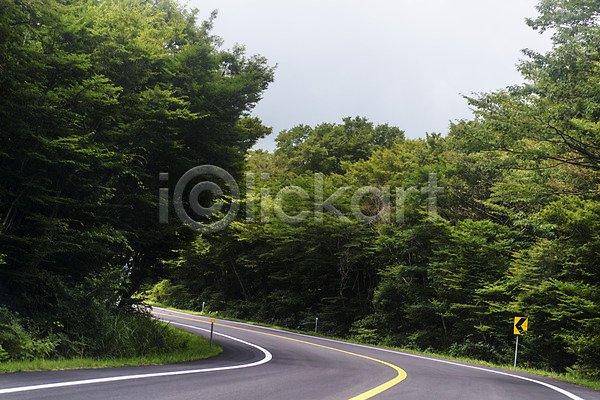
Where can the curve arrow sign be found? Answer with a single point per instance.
(520, 326)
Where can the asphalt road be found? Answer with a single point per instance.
(264, 363)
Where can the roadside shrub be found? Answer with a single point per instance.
(19, 343)
(164, 292)
(477, 350)
(367, 330)
(3, 354)
(130, 334)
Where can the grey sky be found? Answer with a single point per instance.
(401, 62)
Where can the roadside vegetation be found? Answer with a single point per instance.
(96, 99)
(445, 238)
(120, 341)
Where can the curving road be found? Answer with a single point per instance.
(264, 363)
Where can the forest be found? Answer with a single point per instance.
(457, 232)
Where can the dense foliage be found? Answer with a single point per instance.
(96, 99)
(515, 232)
(433, 243)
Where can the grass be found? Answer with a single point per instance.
(594, 384)
(196, 348)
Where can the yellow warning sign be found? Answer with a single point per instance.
(520, 325)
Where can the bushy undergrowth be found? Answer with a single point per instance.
(20, 342)
(121, 335)
(166, 293)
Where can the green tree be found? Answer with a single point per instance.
(555, 114)
(97, 99)
(324, 147)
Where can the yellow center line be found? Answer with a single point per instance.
(363, 396)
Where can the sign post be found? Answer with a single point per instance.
(519, 328)
(202, 308)
(212, 329)
(516, 351)
(316, 324)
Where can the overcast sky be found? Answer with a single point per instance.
(402, 62)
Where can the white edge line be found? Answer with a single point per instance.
(268, 357)
(555, 388)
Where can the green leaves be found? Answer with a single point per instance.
(516, 232)
(324, 148)
(97, 99)
(565, 14)
(554, 115)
